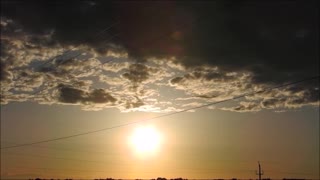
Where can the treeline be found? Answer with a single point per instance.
(159, 178)
(162, 178)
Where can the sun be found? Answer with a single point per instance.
(145, 140)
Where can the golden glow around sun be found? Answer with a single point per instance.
(145, 140)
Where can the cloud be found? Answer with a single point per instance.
(211, 83)
(33, 80)
(115, 67)
(158, 56)
(214, 85)
(38, 72)
(100, 96)
(289, 98)
(137, 102)
(244, 107)
(271, 103)
(192, 105)
(137, 73)
(140, 74)
(72, 95)
(243, 35)
(5, 74)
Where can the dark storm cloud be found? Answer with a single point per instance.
(274, 40)
(137, 73)
(100, 96)
(142, 28)
(70, 23)
(73, 95)
(176, 80)
(260, 37)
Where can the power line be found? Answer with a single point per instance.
(161, 116)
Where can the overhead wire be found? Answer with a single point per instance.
(161, 116)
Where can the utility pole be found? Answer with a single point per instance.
(260, 172)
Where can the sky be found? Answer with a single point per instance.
(71, 67)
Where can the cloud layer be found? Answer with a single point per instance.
(160, 57)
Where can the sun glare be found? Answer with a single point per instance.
(145, 140)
